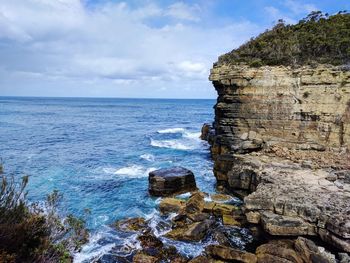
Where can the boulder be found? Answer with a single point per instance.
(195, 204)
(224, 209)
(171, 205)
(193, 232)
(171, 181)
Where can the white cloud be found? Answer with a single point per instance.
(294, 9)
(62, 47)
(180, 10)
(298, 7)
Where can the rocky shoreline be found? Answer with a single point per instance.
(280, 145)
(280, 141)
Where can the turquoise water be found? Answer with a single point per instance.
(98, 153)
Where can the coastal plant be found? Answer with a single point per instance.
(318, 38)
(33, 232)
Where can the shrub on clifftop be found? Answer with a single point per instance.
(317, 38)
(27, 234)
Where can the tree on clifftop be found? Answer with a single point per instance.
(318, 38)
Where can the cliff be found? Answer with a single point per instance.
(304, 108)
(281, 140)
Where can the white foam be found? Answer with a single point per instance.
(172, 130)
(192, 135)
(171, 144)
(184, 196)
(133, 171)
(92, 250)
(148, 157)
(208, 199)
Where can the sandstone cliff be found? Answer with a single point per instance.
(304, 108)
(281, 138)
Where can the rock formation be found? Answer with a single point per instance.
(170, 181)
(281, 139)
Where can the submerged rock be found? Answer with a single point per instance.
(131, 224)
(171, 181)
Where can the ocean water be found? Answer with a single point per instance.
(98, 153)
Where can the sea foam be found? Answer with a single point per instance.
(133, 171)
(171, 144)
(148, 157)
(172, 130)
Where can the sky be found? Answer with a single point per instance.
(132, 49)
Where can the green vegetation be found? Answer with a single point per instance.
(318, 38)
(28, 234)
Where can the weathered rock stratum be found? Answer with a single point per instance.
(281, 140)
(304, 108)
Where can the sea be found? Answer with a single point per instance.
(97, 152)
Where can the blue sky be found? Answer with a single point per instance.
(143, 49)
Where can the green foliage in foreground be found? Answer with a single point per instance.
(28, 234)
(318, 38)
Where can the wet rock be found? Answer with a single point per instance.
(224, 209)
(131, 224)
(171, 205)
(208, 207)
(150, 241)
(230, 220)
(193, 232)
(205, 131)
(221, 197)
(230, 254)
(195, 203)
(198, 217)
(171, 181)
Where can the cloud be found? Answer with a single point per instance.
(180, 10)
(292, 11)
(298, 7)
(65, 47)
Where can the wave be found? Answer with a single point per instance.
(185, 133)
(148, 157)
(192, 135)
(105, 242)
(171, 144)
(172, 130)
(92, 250)
(133, 171)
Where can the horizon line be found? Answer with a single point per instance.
(82, 97)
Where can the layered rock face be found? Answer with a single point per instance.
(282, 139)
(305, 108)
